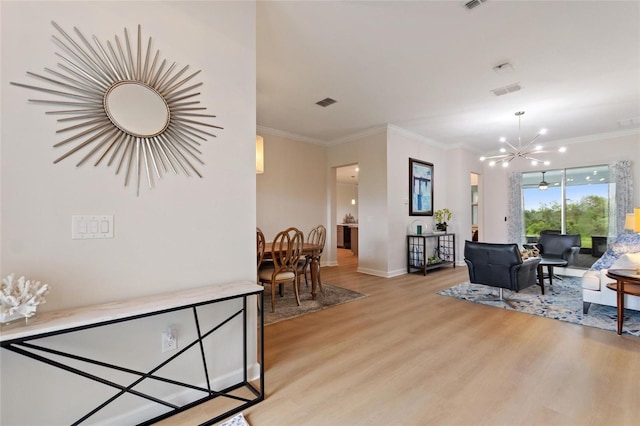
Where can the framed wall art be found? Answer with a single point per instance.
(420, 188)
(122, 103)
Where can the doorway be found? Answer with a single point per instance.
(475, 201)
(347, 208)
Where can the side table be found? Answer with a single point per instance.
(549, 263)
(627, 282)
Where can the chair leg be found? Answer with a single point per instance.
(507, 301)
(319, 277)
(499, 298)
(295, 290)
(273, 297)
(304, 271)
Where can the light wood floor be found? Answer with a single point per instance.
(407, 356)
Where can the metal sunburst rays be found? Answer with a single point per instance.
(110, 93)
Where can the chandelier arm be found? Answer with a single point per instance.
(497, 157)
(533, 158)
(512, 147)
(531, 141)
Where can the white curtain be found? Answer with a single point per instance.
(515, 218)
(621, 175)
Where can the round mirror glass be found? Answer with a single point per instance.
(137, 109)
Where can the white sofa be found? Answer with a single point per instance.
(623, 253)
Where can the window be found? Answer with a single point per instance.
(577, 202)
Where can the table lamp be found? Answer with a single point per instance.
(632, 222)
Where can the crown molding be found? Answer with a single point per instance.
(595, 137)
(288, 135)
(390, 128)
(358, 135)
(415, 136)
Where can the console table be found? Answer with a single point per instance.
(18, 337)
(444, 249)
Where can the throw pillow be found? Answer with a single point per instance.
(627, 261)
(626, 243)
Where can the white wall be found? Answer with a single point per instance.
(370, 153)
(186, 232)
(292, 191)
(460, 164)
(599, 151)
(401, 146)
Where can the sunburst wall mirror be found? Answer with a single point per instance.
(121, 104)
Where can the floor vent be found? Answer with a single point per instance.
(507, 89)
(326, 102)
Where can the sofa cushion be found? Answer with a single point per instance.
(627, 261)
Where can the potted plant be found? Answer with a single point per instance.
(442, 216)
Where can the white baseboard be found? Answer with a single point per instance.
(182, 397)
(375, 272)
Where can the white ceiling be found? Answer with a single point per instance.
(427, 67)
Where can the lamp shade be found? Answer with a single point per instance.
(259, 155)
(629, 221)
(636, 225)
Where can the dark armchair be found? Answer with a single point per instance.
(559, 246)
(500, 266)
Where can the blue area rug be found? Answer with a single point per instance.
(562, 301)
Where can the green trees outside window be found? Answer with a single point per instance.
(585, 210)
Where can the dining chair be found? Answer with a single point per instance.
(318, 236)
(260, 243)
(285, 252)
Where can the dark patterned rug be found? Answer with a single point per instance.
(562, 301)
(286, 306)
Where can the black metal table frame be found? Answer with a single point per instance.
(549, 263)
(23, 347)
(420, 240)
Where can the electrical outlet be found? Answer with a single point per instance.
(169, 340)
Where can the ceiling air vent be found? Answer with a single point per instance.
(326, 102)
(507, 89)
(473, 3)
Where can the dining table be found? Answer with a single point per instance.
(308, 249)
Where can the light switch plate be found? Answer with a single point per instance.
(85, 227)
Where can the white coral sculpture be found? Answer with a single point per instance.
(20, 298)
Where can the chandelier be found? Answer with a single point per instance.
(527, 151)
